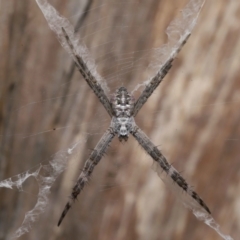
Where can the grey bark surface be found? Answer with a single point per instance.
(193, 116)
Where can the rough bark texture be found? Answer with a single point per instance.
(45, 105)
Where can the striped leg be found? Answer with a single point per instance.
(156, 80)
(171, 174)
(93, 160)
(86, 72)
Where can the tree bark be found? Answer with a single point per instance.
(45, 106)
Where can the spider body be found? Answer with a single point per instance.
(122, 109)
(122, 105)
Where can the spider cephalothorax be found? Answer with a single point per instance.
(122, 105)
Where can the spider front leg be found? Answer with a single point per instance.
(93, 160)
(172, 177)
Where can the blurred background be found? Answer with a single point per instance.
(193, 117)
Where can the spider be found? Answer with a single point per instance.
(122, 109)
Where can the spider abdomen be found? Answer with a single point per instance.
(122, 104)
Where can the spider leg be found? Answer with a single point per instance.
(171, 174)
(92, 161)
(156, 80)
(88, 76)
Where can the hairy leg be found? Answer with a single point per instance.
(92, 161)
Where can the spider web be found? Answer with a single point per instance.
(188, 202)
(46, 174)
